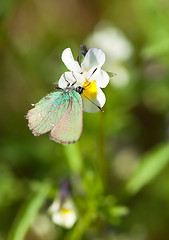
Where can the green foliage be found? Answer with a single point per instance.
(28, 212)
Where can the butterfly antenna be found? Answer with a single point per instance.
(90, 77)
(93, 103)
(92, 73)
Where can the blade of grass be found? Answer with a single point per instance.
(28, 212)
(150, 166)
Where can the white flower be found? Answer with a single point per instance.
(89, 75)
(118, 50)
(113, 42)
(64, 215)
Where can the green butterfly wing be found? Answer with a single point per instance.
(59, 112)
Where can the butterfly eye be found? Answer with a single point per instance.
(80, 89)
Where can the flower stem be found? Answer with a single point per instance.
(74, 158)
(101, 162)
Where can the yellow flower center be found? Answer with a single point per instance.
(90, 90)
(64, 211)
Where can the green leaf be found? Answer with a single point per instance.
(118, 211)
(28, 213)
(150, 166)
(111, 74)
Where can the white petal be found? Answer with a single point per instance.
(89, 106)
(101, 97)
(54, 207)
(101, 77)
(94, 57)
(57, 218)
(69, 61)
(80, 78)
(89, 74)
(100, 100)
(65, 79)
(70, 219)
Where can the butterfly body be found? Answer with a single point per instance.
(59, 112)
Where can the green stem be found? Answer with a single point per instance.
(74, 158)
(101, 163)
(81, 227)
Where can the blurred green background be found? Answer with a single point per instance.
(119, 169)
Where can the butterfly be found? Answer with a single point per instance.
(59, 112)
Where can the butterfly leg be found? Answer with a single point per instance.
(68, 83)
(57, 87)
(75, 80)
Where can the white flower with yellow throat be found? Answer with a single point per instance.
(88, 75)
(64, 214)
